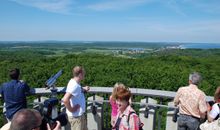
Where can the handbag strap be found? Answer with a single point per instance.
(219, 110)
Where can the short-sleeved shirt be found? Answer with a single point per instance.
(14, 95)
(78, 97)
(215, 111)
(134, 121)
(191, 101)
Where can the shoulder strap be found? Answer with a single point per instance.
(219, 109)
(140, 125)
(129, 116)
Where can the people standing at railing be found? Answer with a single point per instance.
(214, 110)
(14, 93)
(192, 104)
(126, 119)
(112, 99)
(74, 101)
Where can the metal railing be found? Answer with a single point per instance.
(161, 101)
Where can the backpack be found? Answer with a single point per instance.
(214, 125)
(140, 124)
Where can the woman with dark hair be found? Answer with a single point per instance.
(126, 119)
(213, 111)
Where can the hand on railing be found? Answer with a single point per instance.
(86, 89)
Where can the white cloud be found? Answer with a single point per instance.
(55, 6)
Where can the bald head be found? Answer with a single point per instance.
(26, 119)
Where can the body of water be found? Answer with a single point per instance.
(200, 46)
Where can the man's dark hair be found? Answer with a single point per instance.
(26, 119)
(14, 73)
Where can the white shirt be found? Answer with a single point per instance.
(77, 98)
(215, 111)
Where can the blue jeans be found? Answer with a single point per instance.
(186, 122)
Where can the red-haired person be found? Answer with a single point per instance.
(127, 119)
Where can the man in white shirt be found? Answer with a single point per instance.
(74, 100)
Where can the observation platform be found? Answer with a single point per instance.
(155, 107)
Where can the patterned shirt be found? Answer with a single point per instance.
(191, 101)
(134, 120)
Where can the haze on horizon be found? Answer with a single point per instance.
(110, 20)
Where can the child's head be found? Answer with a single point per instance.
(116, 86)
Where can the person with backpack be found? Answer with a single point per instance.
(214, 111)
(127, 119)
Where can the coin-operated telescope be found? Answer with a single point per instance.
(50, 83)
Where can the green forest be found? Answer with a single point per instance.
(164, 70)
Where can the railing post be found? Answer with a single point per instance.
(159, 115)
(39, 98)
(94, 113)
(147, 110)
(170, 124)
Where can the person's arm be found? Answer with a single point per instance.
(110, 97)
(26, 87)
(176, 99)
(202, 106)
(1, 93)
(86, 89)
(66, 101)
(213, 113)
(209, 118)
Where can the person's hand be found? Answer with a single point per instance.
(22, 81)
(86, 88)
(208, 107)
(57, 127)
(76, 107)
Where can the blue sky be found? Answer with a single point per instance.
(111, 20)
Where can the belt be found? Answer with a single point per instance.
(191, 116)
(77, 116)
